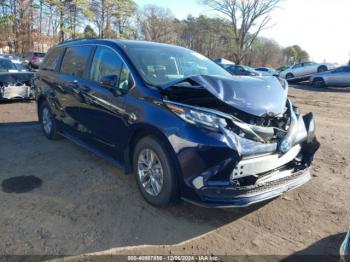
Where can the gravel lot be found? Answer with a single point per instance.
(79, 203)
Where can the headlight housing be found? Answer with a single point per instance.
(197, 116)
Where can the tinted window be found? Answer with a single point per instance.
(52, 59)
(39, 54)
(75, 60)
(19, 66)
(233, 69)
(297, 66)
(107, 62)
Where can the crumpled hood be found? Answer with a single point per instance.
(259, 96)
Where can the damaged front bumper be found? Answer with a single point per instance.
(241, 172)
(263, 178)
(225, 197)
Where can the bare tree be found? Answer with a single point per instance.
(157, 24)
(248, 18)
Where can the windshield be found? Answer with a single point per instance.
(159, 65)
(6, 65)
(19, 66)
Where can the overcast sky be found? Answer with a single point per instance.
(321, 27)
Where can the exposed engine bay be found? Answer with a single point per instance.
(272, 139)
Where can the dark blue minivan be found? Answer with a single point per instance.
(183, 125)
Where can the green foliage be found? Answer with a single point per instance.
(295, 54)
(89, 32)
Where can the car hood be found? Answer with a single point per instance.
(259, 96)
(14, 77)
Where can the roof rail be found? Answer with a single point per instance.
(78, 39)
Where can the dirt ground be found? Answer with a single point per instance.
(79, 203)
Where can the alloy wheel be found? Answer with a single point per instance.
(46, 120)
(150, 172)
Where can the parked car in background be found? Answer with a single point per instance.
(193, 132)
(10, 65)
(282, 68)
(267, 71)
(336, 77)
(224, 63)
(241, 70)
(12, 57)
(302, 71)
(33, 59)
(15, 80)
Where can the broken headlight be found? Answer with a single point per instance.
(197, 116)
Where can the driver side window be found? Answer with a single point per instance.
(107, 63)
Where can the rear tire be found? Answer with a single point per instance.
(48, 122)
(289, 76)
(155, 172)
(318, 83)
(322, 69)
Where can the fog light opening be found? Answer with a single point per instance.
(198, 182)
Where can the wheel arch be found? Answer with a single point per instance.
(322, 66)
(40, 99)
(140, 132)
(317, 78)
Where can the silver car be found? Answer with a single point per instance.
(302, 71)
(336, 77)
(266, 71)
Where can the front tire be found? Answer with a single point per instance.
(289, 76)
(47, 122)
(155, 172)
(318, 83)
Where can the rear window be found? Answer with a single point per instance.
(52, 59)
(75, 60)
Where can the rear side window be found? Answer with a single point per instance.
(52, 59)
(75, 60)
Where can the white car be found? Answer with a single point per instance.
(302, 71)
(266, 71)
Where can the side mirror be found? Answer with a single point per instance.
(110, 82)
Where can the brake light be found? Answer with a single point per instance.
(34, 58)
